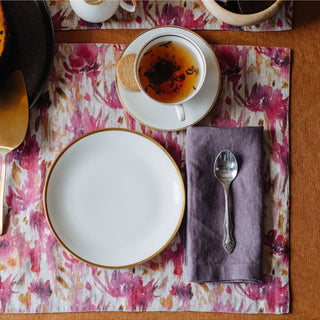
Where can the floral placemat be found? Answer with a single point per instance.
(38, 275)
(191, 14)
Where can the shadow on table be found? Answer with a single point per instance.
(305, 13)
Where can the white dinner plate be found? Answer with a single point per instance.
(153, 114)
(114, 198)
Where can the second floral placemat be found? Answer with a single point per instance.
(191, 14)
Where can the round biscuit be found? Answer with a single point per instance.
(125, 72)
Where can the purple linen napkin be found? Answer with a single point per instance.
(206, 259)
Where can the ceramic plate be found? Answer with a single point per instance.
(34, 43)
(156, 116)
(114, 198)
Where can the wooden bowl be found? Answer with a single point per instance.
(238, 19)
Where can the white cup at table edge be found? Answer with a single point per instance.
(97, 11)
(201, 65)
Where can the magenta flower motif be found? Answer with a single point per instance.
(83, 122)
(35, 255)
(80, 306)
(175, 15)
(37, 220)
(28, 154)
(271, 101)
(229, 58)
(264, 98)
(280, 153)
(130, 121)
(278, 244)
(173, 252)
(70, 258)
(6, 291)
(280, 58)
(58, 19)
(184, 293)
(220, 307)
(20, 197)
(232, 61)
(42, 290)
(6, 247)
(170, 15)
(49, 244)
(112, 98)
(138, 295)
(223, 119)
(83, 60)
(271, 290)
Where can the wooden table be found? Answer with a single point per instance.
(304, 40)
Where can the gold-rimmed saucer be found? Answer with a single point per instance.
(155, 116)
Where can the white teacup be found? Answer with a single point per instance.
(96, 11)
(170, 69)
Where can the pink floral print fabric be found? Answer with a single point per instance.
(191, 14)
(38, 275)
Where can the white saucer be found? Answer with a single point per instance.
(155, 115)
(114, 198)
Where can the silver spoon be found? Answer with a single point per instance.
(225, 170)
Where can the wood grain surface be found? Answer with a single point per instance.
(304, 40)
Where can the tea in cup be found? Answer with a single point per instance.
(97, 11)
(170, 69)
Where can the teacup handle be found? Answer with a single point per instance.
(128, 7)
(180, 112)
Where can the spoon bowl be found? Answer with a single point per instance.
(14, 118)
(226, 170)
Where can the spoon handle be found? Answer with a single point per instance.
(229, 242)
(2, 188)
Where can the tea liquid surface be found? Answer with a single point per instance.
(168, 72)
